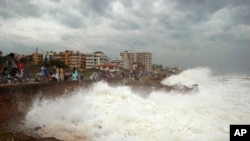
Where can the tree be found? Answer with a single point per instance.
(58, 63)
(24, 60)
(4, 59)
(46, 60)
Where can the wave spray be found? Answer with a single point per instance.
(104, 112)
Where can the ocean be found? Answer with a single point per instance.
(117, 113)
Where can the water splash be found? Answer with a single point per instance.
(201, 76)
(104, 112)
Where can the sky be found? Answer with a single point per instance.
(184, 33)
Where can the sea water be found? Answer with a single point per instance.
(117, 113)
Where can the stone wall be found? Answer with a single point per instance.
(15, 99)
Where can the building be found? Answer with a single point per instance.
(1, 53)
(70, 58)
(119, 61)
(138, 67)
(96, 58)
(140, 58)
(34, 58)
(59, 56)
(157, 68)
(47, 56)
(108, 67)
(77, 60)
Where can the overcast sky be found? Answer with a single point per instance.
(185, 33)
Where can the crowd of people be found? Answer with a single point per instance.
(14, 69)
(44, 75)
(14, 72)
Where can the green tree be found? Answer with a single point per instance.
(25, 60)
(4, 59)
(46, 61)
(58, 63)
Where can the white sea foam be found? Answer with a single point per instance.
(201, 76)
(105, 113)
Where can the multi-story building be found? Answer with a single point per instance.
(47, 56)
(71, 59)
(34, 58)
(90, 60)
(108, 67)
(157, 68)
(119, 61)
(128, 59)
(142, 58)
(58, 56)
(96, 58)
(77, 60)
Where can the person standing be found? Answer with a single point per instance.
(61, 74)
(5, 75)
(45, 73)
(1, 73)
(74, 74)
(13, 62)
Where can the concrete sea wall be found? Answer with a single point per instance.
(15, 99)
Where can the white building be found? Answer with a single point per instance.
(120, 62)
(131, 57)
(96, 58)
(108, 67)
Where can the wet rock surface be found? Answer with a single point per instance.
(19, 136)
(15, 101)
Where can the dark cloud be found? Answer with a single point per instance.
(241, 15)
(69, 19)
(17, 9)
(94, 7)
(14, 46)
(181, 32)
(126, 25)
(236, 3)
(201, 8)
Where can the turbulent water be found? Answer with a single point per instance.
(112, 113)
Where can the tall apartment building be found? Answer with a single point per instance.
(132, 57)
(59, 56)
(71, 59)
(34, 58)
(77, 60)
(96, 58)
